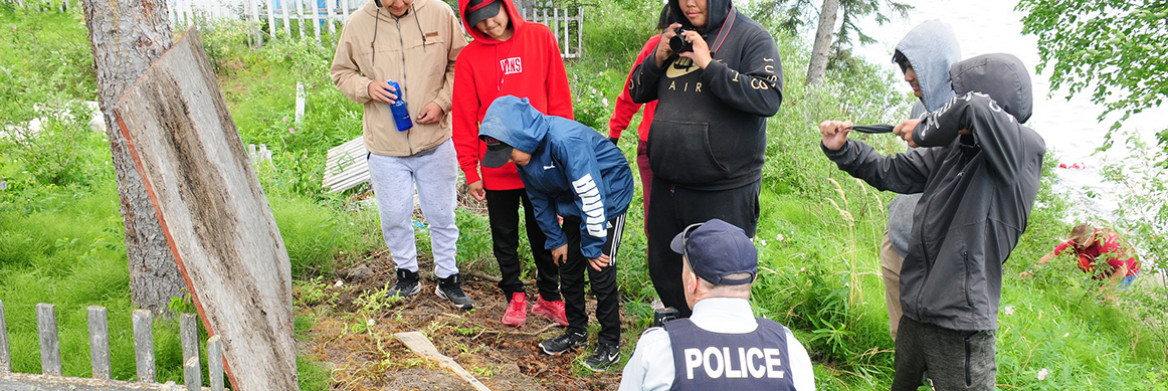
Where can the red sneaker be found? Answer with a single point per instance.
(553, 310)
(516, 314)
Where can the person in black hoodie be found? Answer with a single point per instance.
(978, 176)
(708, 135)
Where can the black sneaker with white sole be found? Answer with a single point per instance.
(563, 343)
(603, 357)
(407, 284)
(450, 288)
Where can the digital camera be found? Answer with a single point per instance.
(678, 42)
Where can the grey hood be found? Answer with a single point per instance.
(932, 48)
(1002, 76)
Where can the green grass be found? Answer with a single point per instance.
(61, 232)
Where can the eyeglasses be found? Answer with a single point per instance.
(685, 239)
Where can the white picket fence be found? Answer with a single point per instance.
(303, 18)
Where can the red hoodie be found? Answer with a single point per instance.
(624, 109)
(528, 65)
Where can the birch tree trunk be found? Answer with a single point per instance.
(128, 35)
(823, 36)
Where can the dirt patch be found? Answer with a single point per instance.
(353, 335)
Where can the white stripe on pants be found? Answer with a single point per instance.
(435, 175)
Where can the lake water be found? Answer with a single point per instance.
(1069, 126)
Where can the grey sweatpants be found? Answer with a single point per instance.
(435, 176)
(953, 359)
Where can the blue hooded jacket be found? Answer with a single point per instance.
(574, 171)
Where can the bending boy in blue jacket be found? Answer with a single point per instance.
(573, 171)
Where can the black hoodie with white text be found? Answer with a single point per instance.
(709, 130)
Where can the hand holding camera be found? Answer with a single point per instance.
(685, 43)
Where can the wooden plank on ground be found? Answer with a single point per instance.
(421, 345)
(214, 214)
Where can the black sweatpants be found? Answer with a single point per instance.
(674, 208)
(503, 214)
(603, 282)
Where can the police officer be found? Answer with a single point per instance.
(722, 345)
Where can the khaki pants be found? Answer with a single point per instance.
(890, 262)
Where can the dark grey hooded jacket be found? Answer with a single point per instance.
(977, 192)
(931, 48)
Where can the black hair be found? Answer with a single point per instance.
(666, 18)
(900, 59)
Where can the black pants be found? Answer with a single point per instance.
(503, 213)
(954, 359)
(603, 282)
(674, 208)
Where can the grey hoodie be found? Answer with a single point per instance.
(932, 48)
(977, 188)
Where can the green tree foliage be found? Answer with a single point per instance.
(1117, 49)
(793, 15)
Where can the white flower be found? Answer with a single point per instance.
(1066, 335)
(779, 237)
(593, 91)
(1009, 310)
(339, 284)
(369, 322)
(802, 269)
(763, 242)
(604, 101)
(1042, 374)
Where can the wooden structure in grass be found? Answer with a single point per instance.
(214, 214)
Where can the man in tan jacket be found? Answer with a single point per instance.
(413, 43)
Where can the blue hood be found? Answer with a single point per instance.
(514, 122)
(932, 48)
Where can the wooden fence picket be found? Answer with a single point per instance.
(99, 352)
(144, 345)
(50, 345)
(5, 356)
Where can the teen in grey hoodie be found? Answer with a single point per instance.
(924, 55)
(978, 180)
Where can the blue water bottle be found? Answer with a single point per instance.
(401, 114)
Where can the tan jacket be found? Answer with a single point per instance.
(416, 50)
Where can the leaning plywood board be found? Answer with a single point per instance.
(214, 214)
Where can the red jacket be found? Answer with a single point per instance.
(624, 109)
(1108, 244)
(528, 65)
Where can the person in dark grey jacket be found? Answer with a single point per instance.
(708, 134)
(978, 180)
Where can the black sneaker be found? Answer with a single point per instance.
(604, 356)
(407, 284)
(563, 343)
(450, 288)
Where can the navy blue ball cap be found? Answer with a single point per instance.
(716, 249)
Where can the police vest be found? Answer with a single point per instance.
(704, 360)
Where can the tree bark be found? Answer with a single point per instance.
(823, 36)
(127, 36)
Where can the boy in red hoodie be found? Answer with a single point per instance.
(509, 56)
